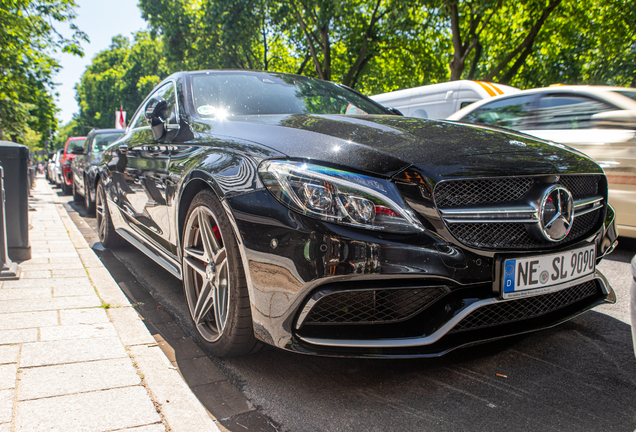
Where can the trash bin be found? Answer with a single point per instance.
(14, 159)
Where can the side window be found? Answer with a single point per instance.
(87, 143)
(513, 113)
(167, 91)
(568, 112)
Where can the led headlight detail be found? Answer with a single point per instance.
(339, 196)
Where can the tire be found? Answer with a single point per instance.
(88, 202)
(66, 189)
(214, 281)
(76, 196)
(105, 229)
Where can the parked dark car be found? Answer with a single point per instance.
(71, 148)
(296, 225)
(84, 165)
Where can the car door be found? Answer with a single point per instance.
(143, 196)
(79, 164)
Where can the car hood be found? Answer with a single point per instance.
(386, 145)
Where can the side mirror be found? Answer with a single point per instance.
(77, 150)
(623, 119)
(160, 119)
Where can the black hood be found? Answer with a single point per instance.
(386, 145)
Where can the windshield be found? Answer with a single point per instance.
(102, 141)
(628, 93)
(75, 143)
(228, 94)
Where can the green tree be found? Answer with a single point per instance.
(27, 38)
(120, 76)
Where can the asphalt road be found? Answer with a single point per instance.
(580, 376)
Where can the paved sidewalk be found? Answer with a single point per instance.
(74, 354)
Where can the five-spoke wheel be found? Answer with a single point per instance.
(213, 280)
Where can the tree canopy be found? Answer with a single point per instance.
(28, 38)
(374, 46)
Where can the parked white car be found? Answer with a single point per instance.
(597, 120)
(438, 101)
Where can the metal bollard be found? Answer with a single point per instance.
(10, 270)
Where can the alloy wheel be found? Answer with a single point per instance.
(206, 274)
(100, 198)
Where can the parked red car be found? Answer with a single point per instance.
(67, 158)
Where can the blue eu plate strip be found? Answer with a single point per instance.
(509, 275)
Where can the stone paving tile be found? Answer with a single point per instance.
(64, 261)
(131, 329)
(35, 274)
(78, 290)
(96, 411)
(18, 336)
(84, 377)
(34, 261)
(5, 427)
(34, 305)
(9, 354)
(159, 427)
(69, 255)
(78, 331)
(58, 352)
(6, 405)
(25, 293)
(24, 320)
(69, 273)
(8, 374)
(83, 316)
(89, 258)
(47, 283)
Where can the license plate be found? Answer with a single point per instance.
(523, 277)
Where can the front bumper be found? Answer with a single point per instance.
(290, 259)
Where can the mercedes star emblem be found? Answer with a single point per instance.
(556, 213)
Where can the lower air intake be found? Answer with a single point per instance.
(381, 306)
(525, 308)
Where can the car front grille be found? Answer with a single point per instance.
(381, 306)
(460, 193)
(504, 191)
(525, 308)
(474, 192)
(514, 235)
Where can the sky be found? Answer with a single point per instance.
(100, 20)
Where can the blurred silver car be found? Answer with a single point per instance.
(597, 120)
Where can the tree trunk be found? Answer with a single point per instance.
(524, 48)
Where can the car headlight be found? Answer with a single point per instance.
(339, 196)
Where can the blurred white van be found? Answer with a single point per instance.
(438, 101)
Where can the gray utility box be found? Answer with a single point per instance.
(14, 159)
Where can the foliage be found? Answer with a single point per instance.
(27, 38)
(120, 76)
(72, 128)
(374, 46)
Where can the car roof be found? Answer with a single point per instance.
(606, 93)
(104, 131)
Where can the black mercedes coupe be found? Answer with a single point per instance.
(301, 214)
